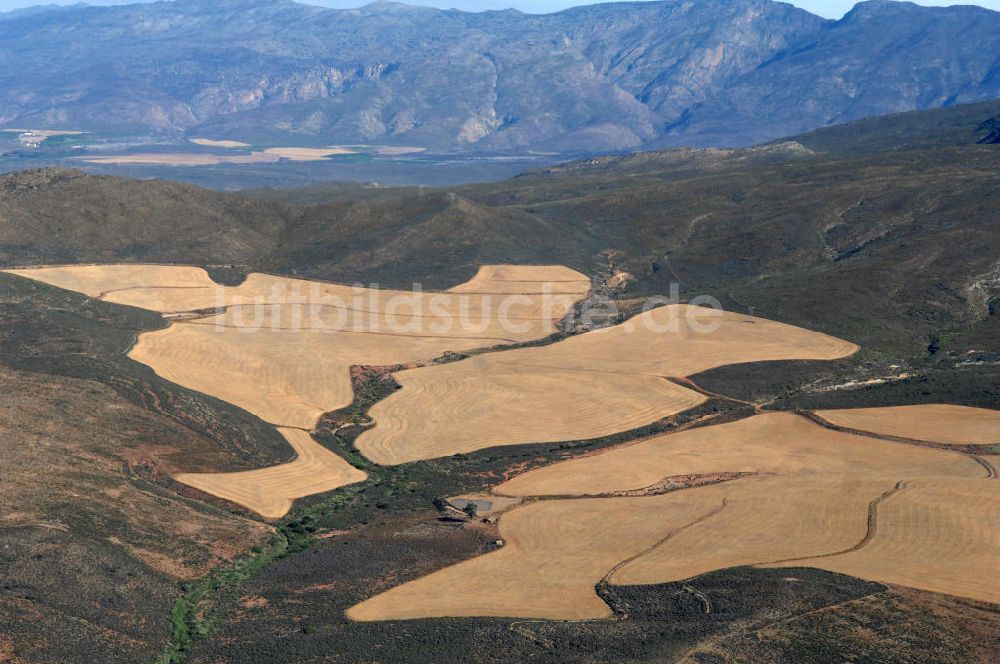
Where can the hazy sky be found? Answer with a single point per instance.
(829, 8)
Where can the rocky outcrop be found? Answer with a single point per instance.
(991, 131)
(597, 78)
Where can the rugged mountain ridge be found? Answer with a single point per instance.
(590, 79)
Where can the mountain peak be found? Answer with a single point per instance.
(877, 8)
(600, 78)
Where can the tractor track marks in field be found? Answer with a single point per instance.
(991, 471)
(965, 450)
(666, 538)
(870, 532)
(105, 294)
(662, 487)
(308, 328)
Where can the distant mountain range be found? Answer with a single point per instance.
(597, 78)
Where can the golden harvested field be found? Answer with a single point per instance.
(682, 340)
(282, 348)
(782, 444)
(811, 493)
(940, 535)
(525, 279)
(596, 384)
(764, 520)
(226, 144)
(286, 377)
(456, 408)
(294, 366)
(554, 554)
(119, 283)
(939, 423)
(264, 300)
(271, 491)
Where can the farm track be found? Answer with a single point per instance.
(966, 450)
(991, 471)
(706, 602)
(684, 381)
(306, 328)
(103, 295)
(761, 626)
(658, 489)
(826, 424)
(871, 531)
(670, 535)
(310, 305)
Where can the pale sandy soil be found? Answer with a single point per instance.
(940, 423)
(210, 143)
(307, 154)
(46, 132)
(398, 151)
(269, 155)
(498, 504)
(596, 384)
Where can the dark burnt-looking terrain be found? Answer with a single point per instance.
(96, 538)
(893, 248)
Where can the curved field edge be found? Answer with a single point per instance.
(588, 385)
(171, 288)
(388, 490)
(528, 578)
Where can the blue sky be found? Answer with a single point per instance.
(828, 8)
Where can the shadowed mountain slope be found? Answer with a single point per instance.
(597, 78)
(894, 248)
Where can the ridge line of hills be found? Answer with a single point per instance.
(892, 217)
(598, 78)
